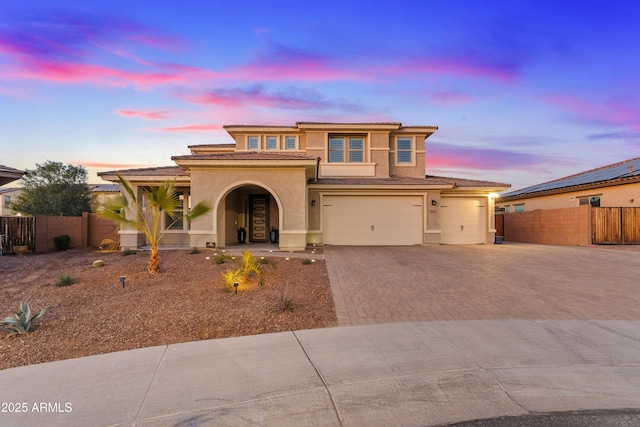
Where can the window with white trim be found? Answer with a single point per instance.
(404, 151)
(290, 143)
(346, 149)
(252, 143)
(176, 222)
(518, 208)
(272, 143)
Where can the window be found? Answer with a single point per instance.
(405, 150)
(518, 208)
(252, 143)
(356, 150)
(593, 201)
(336, 150)
(179, 213)
(290, 143)
(351, 148)
(272, 143)
(6, 200)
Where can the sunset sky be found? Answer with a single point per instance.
(522, 91)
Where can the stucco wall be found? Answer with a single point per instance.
(617, 196)
(566, 226)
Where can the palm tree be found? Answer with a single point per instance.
(131, 212)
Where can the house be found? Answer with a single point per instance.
(8, 174)
(320, 183)
(101, 192)
(617, 185)
(8, 195)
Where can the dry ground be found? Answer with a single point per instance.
(187, 301)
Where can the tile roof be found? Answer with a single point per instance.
(160, 171)
(615, 173)
(245, 155)
(105, 188)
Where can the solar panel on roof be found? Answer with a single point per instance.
(619, 170)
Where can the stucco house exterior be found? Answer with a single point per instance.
(320, 183)
(8, 174)
(615, 185)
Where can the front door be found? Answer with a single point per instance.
(259, 218)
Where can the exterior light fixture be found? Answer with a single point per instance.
(433, 203)
(235, 285)
(122, 279)
(313, 203)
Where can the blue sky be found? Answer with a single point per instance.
(522, 92)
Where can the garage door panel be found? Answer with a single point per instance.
(372, 220)
(463, 220)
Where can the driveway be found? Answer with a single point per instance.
(511, 281)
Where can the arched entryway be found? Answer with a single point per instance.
(248, 206)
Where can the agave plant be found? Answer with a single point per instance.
(22, 322)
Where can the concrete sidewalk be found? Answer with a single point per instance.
(409, 374)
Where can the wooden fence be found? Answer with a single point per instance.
(615, 226)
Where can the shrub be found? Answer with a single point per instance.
(128, 252)
(65, 280)
(98, 263)
(62, 242)
(220, 259)
(194, 250)
(109, 245)
(286, 303)
(250, 268)
(22, 322)
(306, 261)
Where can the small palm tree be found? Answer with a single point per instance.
(130, 211)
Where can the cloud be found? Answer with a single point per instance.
(624, 135)
(616, 111)
(443, 155)
(149, 115)
(191, 128)
(257, 95)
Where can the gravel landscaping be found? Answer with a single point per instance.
(186, 301)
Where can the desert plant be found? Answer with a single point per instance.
(109, 245)
(22, 322)
(146, 215)
(194, 250)
(98, 263)
(306, 261)
(65, 280)
(128, 251)
(220, 259)
(286, 303)
(250, 268)
(62, 242)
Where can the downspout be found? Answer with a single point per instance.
(317, 167)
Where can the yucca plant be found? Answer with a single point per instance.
(22, 322)
(250, 265)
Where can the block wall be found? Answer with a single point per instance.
(566, 226)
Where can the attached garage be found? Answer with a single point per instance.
(463, 220)
(372, 220)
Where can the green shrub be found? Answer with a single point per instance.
(306, 261)
(65, 280)
(128, 252)
(98, 263)
(194, 250)
(22, 322)
(220, 259)
(62, 242)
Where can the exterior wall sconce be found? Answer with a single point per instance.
(313, 203)
(631, 200)
(433, 203)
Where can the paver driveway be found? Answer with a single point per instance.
(510, 281)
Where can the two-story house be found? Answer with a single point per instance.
(321, 183)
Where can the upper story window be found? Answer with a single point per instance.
(272, 143)
(290, 143)
(252, 143)
(404, 151)
(343, 147)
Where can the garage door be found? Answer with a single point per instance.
(462, 220)
(372, 220)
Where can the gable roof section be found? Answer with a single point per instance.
(624, 172)
(8, 174)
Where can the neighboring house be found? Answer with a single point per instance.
(608, 186)
(320, 183)
(8, 196)
(8, 174)
(102, 192)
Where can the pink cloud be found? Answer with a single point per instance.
(149, 115)
(108, 165)
(191, 128)
(620, 111)
(443, 155)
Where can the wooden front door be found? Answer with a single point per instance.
(259, 218)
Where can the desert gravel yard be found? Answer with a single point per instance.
(186, 301)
